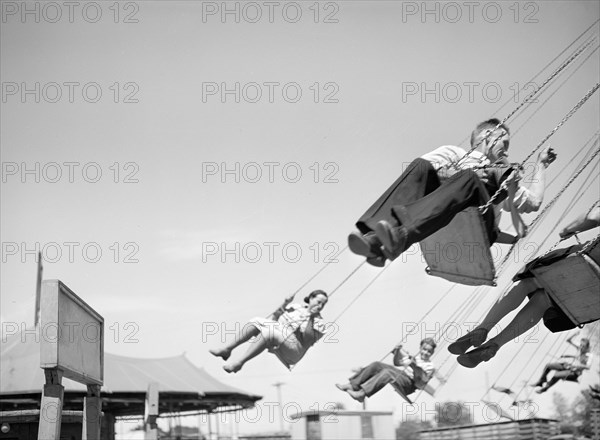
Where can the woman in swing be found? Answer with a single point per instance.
(538, 306)
(413, 373)
(293, 329)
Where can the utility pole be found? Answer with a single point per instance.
(278, 386)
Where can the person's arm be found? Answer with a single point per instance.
(399, 355)
(582, 223)
(281, 310)
(315, 329)
(530, 199)
(570, 341)
(422, 375)
(517, 221)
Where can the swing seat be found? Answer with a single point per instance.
(281, 359)
(428, 389)
(574, 284)
(460, 252)
(399, 391)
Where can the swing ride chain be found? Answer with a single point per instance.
(504, 185)
(587, 247)
(573, 110)
(527, 99)
(550, 78)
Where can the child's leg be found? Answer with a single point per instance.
(557, 376)
(549, 367)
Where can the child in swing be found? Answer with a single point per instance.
(293, 329)
(568, 367)
(413, 373)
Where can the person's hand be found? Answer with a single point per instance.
(514, 178)
(547, 156)
(287, 301)
(397, 347)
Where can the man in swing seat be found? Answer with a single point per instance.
(442, 183)
(412, 373)
(539, 305)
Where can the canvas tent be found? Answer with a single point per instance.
(182, 386)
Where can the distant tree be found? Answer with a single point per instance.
(339, 405)
(409, 429)
(575, 417)
(453, 414)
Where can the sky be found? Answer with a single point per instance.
(184, 166)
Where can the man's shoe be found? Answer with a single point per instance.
(359, 245)
(477, 356)
(343, 387)
(474, 338)
(394, 240)
(376, 261)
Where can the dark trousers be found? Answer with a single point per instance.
(418, 180)
(376, 375)
(420, 203)
(430, 213)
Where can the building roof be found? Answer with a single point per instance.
(182, 386)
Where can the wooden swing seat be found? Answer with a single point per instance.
(460, 252)
(574, 284)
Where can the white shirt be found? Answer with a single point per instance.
(427, 366)
(445, 155)
(296, 316)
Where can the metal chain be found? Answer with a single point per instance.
(564, 188)
(587, 247)
(504, 185)
(573, 110)
(551, 77)
(527, 99)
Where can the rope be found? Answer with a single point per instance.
(347, 278)
(319, 272)
(360, 293)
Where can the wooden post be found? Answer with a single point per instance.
(52, 403)
(92, 411)
(151, 412)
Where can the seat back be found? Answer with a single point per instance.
(573, 283)
(460, 252)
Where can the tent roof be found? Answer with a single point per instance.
(126, 380)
